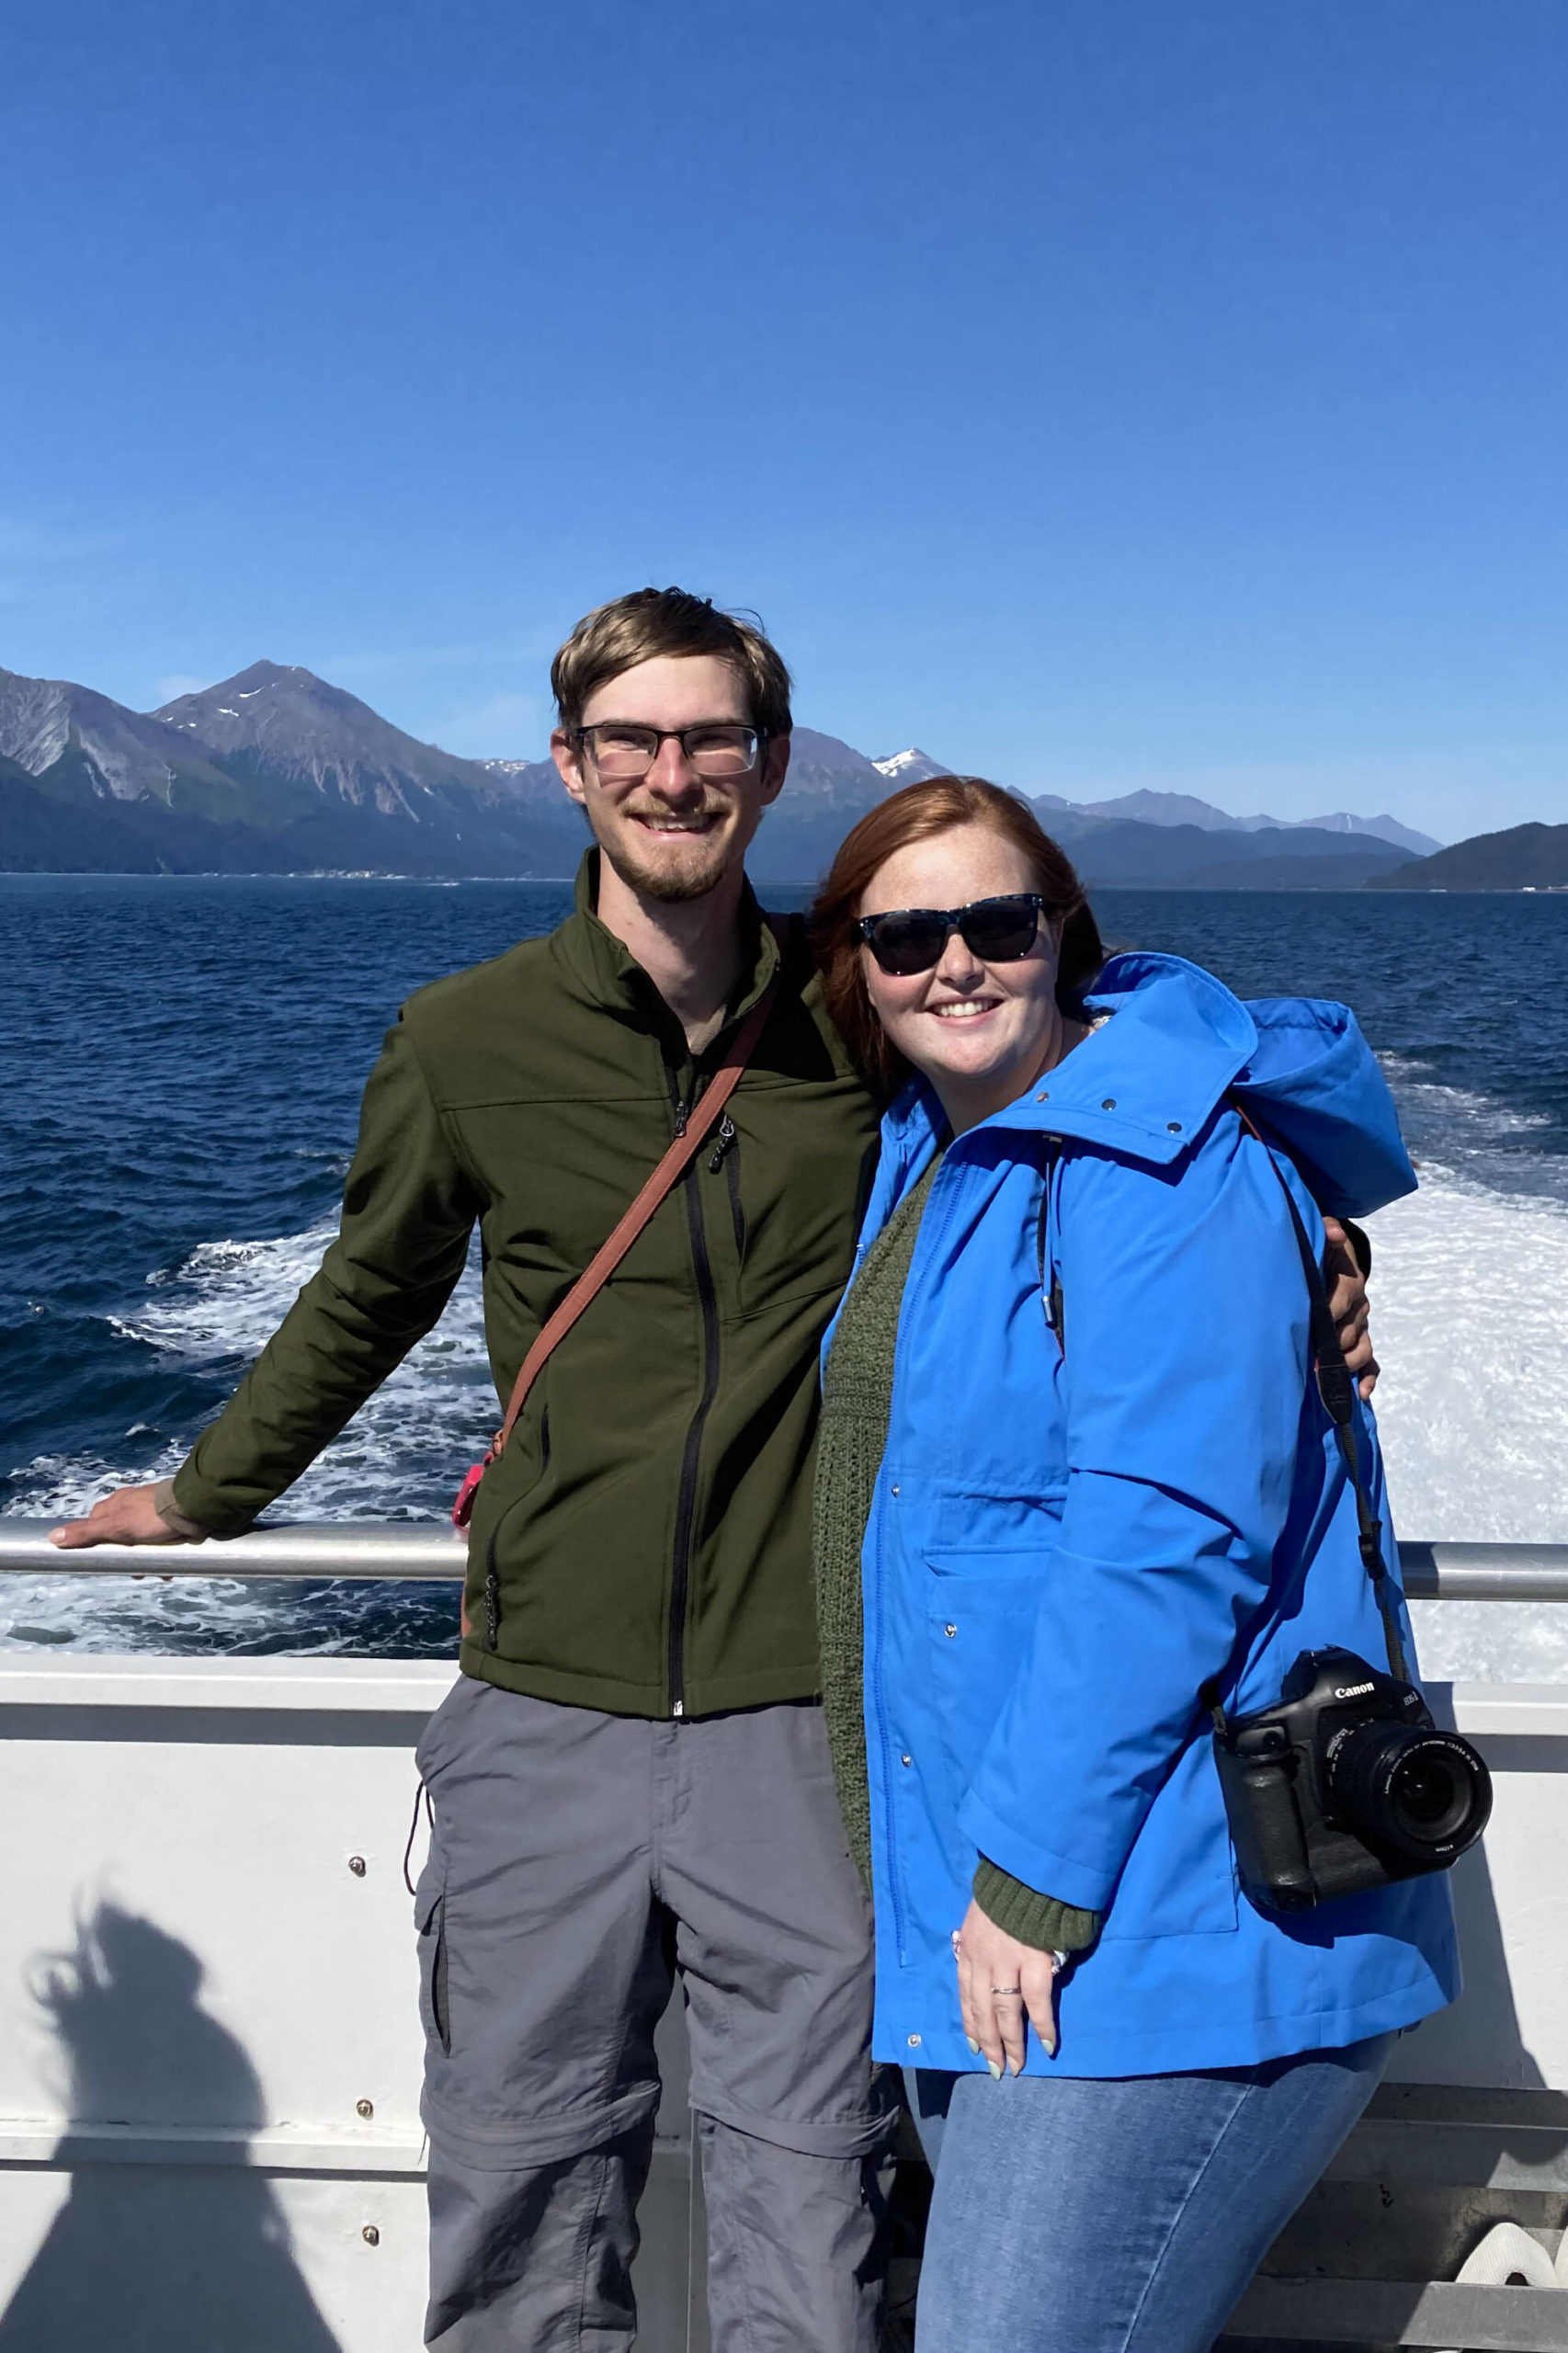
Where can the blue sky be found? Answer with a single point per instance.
(1099, 395)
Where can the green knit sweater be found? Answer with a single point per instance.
(853, 1435)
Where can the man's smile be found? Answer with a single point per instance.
(654, 825)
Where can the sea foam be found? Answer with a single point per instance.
(1469, 1296)
(400, 1458)
(1469, 1311)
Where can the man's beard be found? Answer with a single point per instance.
(690, 877)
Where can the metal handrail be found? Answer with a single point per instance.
(415, 1552)
(426, 1552)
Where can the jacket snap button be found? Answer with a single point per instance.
(896, 1487)
(915, 2042)
(1044, 1095)
(949, 1632)
(1110, 1103)
(1173, 1127)
(906, 1758)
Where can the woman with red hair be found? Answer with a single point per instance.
(1053, 1503)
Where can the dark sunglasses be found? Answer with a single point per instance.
(912, 940)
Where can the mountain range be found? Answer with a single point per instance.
(1181, 809)
(277, 771)
(272, 771)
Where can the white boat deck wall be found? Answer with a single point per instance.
(210, 2049)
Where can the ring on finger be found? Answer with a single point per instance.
(1008, 1989)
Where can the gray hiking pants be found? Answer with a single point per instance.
(578, 1862)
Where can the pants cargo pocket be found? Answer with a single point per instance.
(430, 1919)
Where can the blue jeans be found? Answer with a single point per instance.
(1122, 2216)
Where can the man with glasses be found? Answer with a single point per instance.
(631, 1780)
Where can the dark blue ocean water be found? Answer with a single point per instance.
(180, 1063)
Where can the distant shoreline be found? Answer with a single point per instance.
(261, 874)
(771, 883)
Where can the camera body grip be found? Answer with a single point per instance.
(1345, 1785)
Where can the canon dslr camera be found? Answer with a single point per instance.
(1346, 1784)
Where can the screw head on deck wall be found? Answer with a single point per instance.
(356, 1865)
(364, 2107)
(371, 2236)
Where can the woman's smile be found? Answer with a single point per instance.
(961, 1008)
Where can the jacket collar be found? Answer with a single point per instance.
(609, 977)
(1142, 1085)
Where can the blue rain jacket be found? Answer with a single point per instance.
(1065, 1543)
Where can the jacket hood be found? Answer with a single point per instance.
(1148, 1080)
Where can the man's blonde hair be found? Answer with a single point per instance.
(654, 621)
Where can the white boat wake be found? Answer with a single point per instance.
(1471, 1307)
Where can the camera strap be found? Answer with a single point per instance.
(1338, 1389)
(1334, 1386)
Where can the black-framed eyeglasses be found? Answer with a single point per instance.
(620, 750)
(911, 940)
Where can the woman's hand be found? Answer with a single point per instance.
(1004, 1987)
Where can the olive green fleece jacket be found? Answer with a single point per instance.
(643, 1545)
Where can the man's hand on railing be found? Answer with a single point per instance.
(1347, 1302)
(130, 1515)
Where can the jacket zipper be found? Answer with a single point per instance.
(492, 1569)
(726, 1154)
(686, 1500)
(726, 1138)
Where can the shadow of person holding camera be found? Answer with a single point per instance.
(144, 2256)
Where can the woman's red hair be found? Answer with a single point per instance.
(917, 815)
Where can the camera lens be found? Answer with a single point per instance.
(1426, 1794)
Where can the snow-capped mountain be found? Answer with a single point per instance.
(913, 766)
(287, 723)
(1381, 829)
(530, 781)
(272, 771)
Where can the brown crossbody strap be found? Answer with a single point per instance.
(666, 1177)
